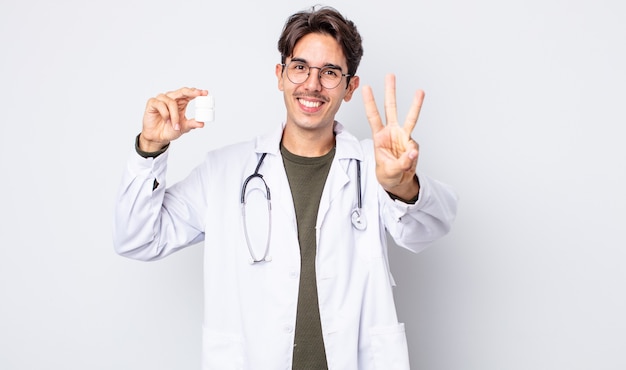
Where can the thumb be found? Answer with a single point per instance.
(408, 160)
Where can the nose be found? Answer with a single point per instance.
(314, 79)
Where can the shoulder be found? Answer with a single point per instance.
(229, 158)
(232, 150)
(351, 147)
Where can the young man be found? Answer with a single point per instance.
(296, 272)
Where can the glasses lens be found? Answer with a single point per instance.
(330, 77)
(297, 72)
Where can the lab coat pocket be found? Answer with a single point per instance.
(221, 351)
(389, 348)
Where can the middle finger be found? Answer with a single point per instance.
(391, 108)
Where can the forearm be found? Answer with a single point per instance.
(145, 223)
(137, 208)
(415, 226)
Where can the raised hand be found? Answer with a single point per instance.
(396, 152)
(164, 119)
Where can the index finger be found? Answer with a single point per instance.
(414, 112)
(186, 94)
(371, 111)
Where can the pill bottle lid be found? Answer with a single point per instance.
(205, 101)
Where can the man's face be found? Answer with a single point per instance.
(311, 106)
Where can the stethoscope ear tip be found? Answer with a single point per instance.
(268, 259)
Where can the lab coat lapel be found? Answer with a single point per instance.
(274, 173)
(337, 179)
(341, 172)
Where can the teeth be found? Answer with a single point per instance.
(310, 104)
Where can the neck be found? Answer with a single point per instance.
(308, 143)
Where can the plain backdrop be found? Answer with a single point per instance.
(524, 116)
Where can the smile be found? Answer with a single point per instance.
(310, 104)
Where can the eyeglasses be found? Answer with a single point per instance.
(329, 76)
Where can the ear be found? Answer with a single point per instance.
(352, 86)
(279, 76)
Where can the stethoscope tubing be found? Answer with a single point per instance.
(357, 217)
(256, 174)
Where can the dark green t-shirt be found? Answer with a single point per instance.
(307, 177)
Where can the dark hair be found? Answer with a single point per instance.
(324, 20)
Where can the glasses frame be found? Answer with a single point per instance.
(319, 73)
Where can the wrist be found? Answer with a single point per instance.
(150, 146)
(148, 149)
(407, 193)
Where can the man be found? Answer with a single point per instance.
(295, 258)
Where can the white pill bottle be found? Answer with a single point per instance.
(205, 108)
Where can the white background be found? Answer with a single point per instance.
(524, 116)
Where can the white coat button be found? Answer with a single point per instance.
(293, 274)
(288, 328)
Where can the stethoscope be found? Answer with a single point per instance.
(357, 217)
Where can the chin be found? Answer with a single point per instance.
(311, 124)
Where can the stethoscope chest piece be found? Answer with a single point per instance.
(358, 220)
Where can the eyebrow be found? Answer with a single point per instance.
(327, 65)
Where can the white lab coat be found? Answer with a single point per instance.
(250, 310)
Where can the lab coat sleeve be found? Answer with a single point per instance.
(415, 226)
(151, 223)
